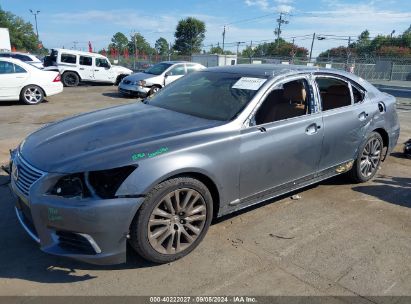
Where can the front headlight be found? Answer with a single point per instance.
(142, 83)
(104, 183)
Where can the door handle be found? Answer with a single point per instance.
(262, 129)
(312, 129)
(362, 116)
(81, 69)
(20, 77)
(96, 70)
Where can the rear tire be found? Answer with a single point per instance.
(70, 79)
(31, 95)
(172, 220)
(369, 159)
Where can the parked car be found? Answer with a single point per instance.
(25, 82)
(154, 78)
(155, 174)
(76, 66)
(25, 57)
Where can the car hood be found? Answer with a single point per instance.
(106, 138)
(140, 76)
(121, 69)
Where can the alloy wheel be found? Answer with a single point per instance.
(177, 221)
(370, 157)
(33, 95)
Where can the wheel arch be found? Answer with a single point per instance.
(385, 140)
(73, 71)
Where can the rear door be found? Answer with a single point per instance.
(86, 67)
(12, 79)
(175, 72)
(344, 121)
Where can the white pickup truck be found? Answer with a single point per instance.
(76, 66)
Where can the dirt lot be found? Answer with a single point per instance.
(338, 239)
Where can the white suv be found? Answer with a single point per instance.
(75, 66)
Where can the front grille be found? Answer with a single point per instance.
(74, 243)
(126, 81)
(27, 175)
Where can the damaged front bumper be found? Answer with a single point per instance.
(92, 230)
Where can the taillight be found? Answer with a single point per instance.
(57, 79)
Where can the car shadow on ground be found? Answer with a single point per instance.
(16, 103)
(118, 95)
(390, 189)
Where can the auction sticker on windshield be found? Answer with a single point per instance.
(249, 83)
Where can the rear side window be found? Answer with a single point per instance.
(18, 69)
(85, 60)
(177, 70)
(357, 94)
(192, 68)
(335, 93)
(68, 58)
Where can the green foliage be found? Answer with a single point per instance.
(190, 34)
(143, 46)
(382, 45)
(219, 50)
(119, 41)
(22, 36)
(280, 48)
(161, 46)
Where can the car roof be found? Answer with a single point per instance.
(75, 52)
(176, 61)
(276, 70)
(16, 61)
(21, 53)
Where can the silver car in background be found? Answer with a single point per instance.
(156, 77)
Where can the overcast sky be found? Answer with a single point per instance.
(63, 22)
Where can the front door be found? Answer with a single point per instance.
(12, 79)
(103, 71)
(284, 143)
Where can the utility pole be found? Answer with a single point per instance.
(238, 45)
(251, 52)
(35, 13)
(348, 52)
(277, 32)
(312, 45)
(169, 51)
(223, 38)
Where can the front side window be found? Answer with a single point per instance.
(177, 70)
(18, 69)
(358, 94)
(210, 95)
(288, 100)
(85, 60)
(334, 93)
(68, 58)
(102, 63)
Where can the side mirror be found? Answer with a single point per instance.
(168, 74)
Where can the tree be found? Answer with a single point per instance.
(119, 41)
(190, 34)
(216, 50)
(280, 48)
(161, 46)
(22, 36)
(143, 47)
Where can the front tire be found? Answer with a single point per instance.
(172, 220)
(369, 158)
(31, 95)
(70, 79)
(153, 90)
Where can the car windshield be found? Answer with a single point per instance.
(209, 95)
(158, 68)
